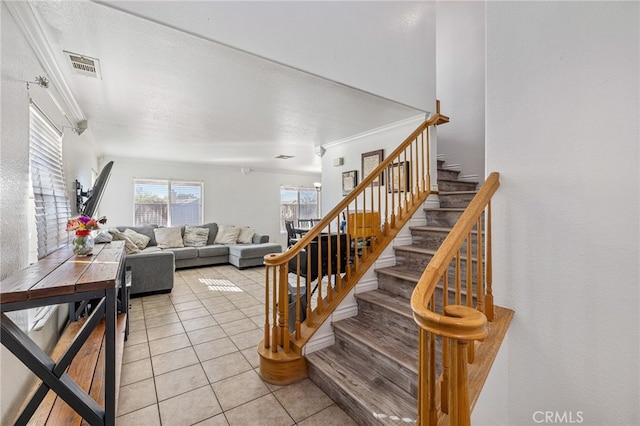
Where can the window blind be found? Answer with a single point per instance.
(52, 208)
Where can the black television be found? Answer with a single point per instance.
(93, 196)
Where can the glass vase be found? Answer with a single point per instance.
(83, 243)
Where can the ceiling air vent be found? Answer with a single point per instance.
(84, 65)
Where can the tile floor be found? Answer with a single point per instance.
(191, 359)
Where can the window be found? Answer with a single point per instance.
(48, 201)
(167, 203)
(52, 208)
(297, 203)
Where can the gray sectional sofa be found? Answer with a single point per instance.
(153, 267)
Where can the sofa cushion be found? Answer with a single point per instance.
(129, 246)
(138, 239)
(254, 250)
(213, 250)
(227, 234)
(183, 252)
(169, 237)
(246, 235)
(195, 236)
(144, 230)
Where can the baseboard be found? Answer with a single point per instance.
(366, 285)
(319, 342)
(468, 178)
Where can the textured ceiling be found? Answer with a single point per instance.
(166, 94)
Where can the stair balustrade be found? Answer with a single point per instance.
(458, 322)
(305, 284)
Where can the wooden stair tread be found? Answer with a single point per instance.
(445, 209)
(394, 346)
(363, 384)
(400, 272)
(396, 304)
(456, 180)
(456, 192)
(433, 228)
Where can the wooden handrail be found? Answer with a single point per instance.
(459, 325)
(341, 247)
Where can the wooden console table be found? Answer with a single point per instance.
(60, 278)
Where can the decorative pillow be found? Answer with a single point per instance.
(140, 240)
(246, 235)
(103, 236)
(227, 234)
(129, 246)
(195, 236)
(169, 237)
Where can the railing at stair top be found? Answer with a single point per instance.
(459, 321)
(306, 283)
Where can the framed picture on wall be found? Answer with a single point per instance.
(398, 177)
(349, 181)
(371, 160)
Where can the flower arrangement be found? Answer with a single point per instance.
(84, 223)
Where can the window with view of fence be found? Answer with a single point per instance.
(297, 203)
(167, 202)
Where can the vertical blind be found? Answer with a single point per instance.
(52, 208)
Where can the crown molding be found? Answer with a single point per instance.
(31, 26)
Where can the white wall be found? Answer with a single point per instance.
(460, 84)
(386, 48)
(229, 196)
(562, 129)
(19, 64)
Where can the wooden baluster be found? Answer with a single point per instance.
(393, 198)
(458, 280)
(479, 270)
(489, 297)
(329, 257)
(428, 159)
(274, 331)
(444, 386)
(298, 316)
(387, 222)
(319, 272)
(308, 290)
(469, 290)
(414, 185)
(423, 169)
(284, 307)
(267, 334)
(459, 410)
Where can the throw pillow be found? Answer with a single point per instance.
(140, 240)
(169, 237)
(129, 246)
(103, 236)
(195, 236)
(227, 234)
(246, 235)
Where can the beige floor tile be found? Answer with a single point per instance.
(258, 320)
(137, 325)
(136, 314)
(148, 416)
(330, 416)
(197, 323)
(181, 298)
(193, 313)
(259, 412)
(136, 396)
(135, 352)
(238, 326)
(246, 302)
(247, 339)
(159, 320)
(189, 408)
(252, 311)
(219, 420)
(168, 344)
(158, 310)
(251, 355)
(136, 371)
(215, 348)
(154, 303)
(167, 330)
(302, 399)
(173, 360)
(207, 334)
(194, 304)
(180, 381)
(218, 305)
(225, 366)
(239, 389)
(136, 337)
(229, 316)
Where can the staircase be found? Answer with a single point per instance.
(372, 369)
